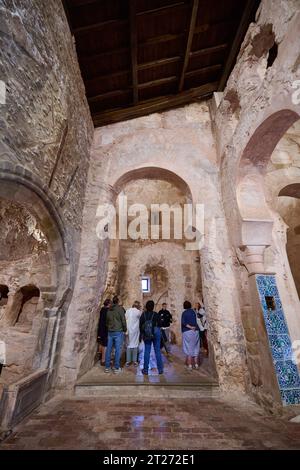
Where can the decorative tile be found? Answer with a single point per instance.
(275, 323)
(287, 374)
(290, 397)
(281, 347)
(279, 340)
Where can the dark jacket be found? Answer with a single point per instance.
(115, 319)
(147, 316)
(102, 328)
(165, 318)
(188, 318)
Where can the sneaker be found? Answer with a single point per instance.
(196, 366)
(189, 368)
(135, 364)
(106, 370)
(144, 372)
(127, 364)
(117, 371)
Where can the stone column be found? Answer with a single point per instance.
(279, 377)
(254, 258)
(79, 343)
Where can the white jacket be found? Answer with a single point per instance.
(133, 326)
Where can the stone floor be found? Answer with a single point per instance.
(97, 423)
(174, 373)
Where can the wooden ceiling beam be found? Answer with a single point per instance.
(154, 105)
(192, 25)
(210, 68)
(156, 63)
(107, 76)
(102, 55)
(133, 49)
(162, 9)
(98, 26)
(158, 82)
(248, 13)
(118, 21)
(159, 62)
(80, 3)
(144, 66)
(162, 38)
(141, 86)
(208, 50)
(108, 94)
(147, 42)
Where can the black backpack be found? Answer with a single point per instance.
(148, 329)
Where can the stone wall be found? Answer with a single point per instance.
(257, 108)
(177, 146)
(25, 264)
(45, 125)
(46, 133)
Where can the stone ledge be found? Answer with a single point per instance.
(21, 398)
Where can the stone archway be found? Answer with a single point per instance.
(258, 230)
(182, 273)
(43, 305)
(24, 188)
(289, 209)
(185, 148)
(152, 172)
(255, 218)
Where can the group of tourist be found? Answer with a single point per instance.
(145, 332)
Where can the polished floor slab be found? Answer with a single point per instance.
(118, 423)
(175, 373)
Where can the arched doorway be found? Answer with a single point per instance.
(288, 206)
(174, 273)
(281, 184)
(269, 290)
(35, 268)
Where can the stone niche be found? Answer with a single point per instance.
(25, 273)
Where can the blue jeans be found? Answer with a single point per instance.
(156, 345)
(115, 338)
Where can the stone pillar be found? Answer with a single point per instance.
(279, 380)
(45, 350)
(254, 258)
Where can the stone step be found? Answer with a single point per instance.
(144, 390)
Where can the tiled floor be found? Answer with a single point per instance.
(95, 423)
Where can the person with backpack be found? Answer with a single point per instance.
(116, 327)
(151, 334)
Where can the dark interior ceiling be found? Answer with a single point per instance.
(144, 56)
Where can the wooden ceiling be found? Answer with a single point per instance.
(144, 56)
